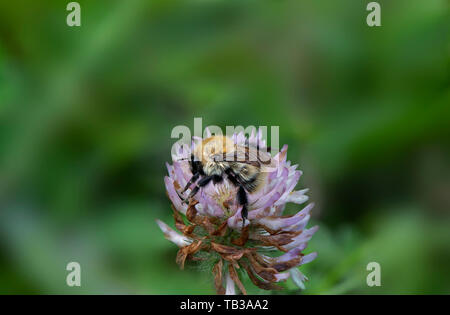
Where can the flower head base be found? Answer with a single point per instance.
(267, 245)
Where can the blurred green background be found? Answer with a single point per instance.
(86, 115)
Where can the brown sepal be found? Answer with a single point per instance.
(282, 266)
(233, 257)
(277, 240)
(229, 250)
(185, 251)
(259, 283)
(222, 229)
(229, 253)
(205, 223)
(243, 238)
(191, 212)
(266, 273)
(217, 272)
(260, 260)
(180, 225)
(234, 276)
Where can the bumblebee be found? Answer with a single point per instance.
(218, 157)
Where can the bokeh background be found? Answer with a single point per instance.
(86, 116)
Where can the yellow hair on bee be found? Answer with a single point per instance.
(215, 145)
(219, 154)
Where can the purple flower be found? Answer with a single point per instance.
(267, 245)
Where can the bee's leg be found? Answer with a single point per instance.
(242, 200)
(241, 194)
(191, 181)
(201, 183)
(232, 177)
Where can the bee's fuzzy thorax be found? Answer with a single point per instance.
(213, 146)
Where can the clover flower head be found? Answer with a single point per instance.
(268, 246)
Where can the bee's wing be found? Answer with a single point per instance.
(250, 155)
(255, 154)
